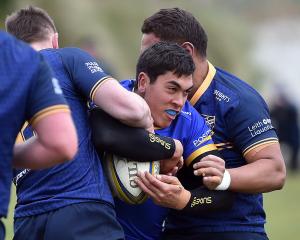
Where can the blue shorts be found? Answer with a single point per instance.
(216, 236)
(89, 220)
(2, 230)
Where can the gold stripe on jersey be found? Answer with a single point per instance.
(198, 152)
(21, 138)
(47, 111)
(209, 77)
(267, 141)
(98, 84)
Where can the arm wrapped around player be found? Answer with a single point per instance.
(109, 134)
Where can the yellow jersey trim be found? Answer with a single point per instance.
(198, 152)
(267, 141)
(98, 84)
(47, 111)
(209, 77)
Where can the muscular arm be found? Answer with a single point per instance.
(109, 134)
(264, 172)
(55, 142)
(122, 104)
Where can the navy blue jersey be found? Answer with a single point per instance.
(144, 221)
(28, 91)
(239, 120)
(80, 180)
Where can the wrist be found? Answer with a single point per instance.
(184, 199)
(226, 180)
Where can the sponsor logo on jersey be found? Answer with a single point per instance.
(93, 67)
(203, 138)
(260, 127)
(221, 96)
(56, 86)
(187, 113)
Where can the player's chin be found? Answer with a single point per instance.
(163, 122)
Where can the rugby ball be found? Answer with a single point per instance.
(121, 173)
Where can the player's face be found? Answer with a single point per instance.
(166, 96)
(148, 40)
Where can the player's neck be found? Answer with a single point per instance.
(40, 45)
(199, 75)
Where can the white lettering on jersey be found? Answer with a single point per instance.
(93, 67)
(259, 127)
(221, 96)
(56, 86)
(202, 138)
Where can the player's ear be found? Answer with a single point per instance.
(55, 41)
(143, 81)
(189, 47)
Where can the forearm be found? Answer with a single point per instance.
(109, 134)
(203, 200)
(257, 177)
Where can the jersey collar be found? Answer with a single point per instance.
(209, 77)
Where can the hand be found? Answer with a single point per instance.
(172, 165)
(164, 190)
(212, 169)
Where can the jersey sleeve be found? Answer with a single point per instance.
(45, 94)
(249, 123)
(84, 70)
(199, 140)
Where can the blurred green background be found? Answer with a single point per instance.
(257, 40)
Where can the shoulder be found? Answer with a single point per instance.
(231, 89)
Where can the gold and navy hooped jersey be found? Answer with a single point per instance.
(28, 91)
(239, 120)
(144, 221)
(80, 180)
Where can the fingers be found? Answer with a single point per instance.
(212, 182)
(209, 171)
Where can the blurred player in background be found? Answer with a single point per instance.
(29, 92)
(241, 129)
(164, 79)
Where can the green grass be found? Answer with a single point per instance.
(282, 208)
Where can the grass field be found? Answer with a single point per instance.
(282, 207)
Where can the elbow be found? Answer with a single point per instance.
(280, 180)
(279, 177)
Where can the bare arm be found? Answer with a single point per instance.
(56, 142)
(123, 105)
(264, 172)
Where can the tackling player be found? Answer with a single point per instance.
(51, 202)
(29, 91)
(242, 131)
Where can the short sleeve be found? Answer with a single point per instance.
(199, 139)
(249, 123)
(84, 70)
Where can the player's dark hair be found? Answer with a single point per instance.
(163, 57)
(30, 24)
(177, 25)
